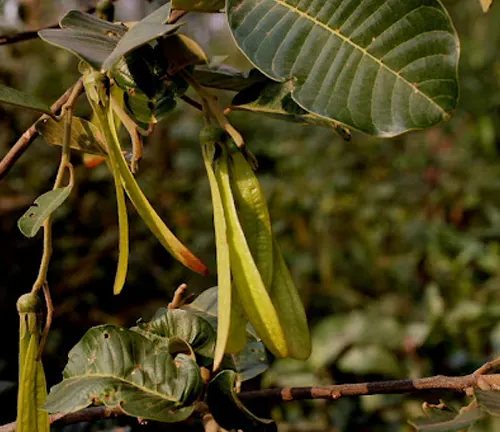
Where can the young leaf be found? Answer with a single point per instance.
(447, 421)
(181, 51)
(119, 367)
(384, 68)
(93, 48)
(181, 324)
(15, 97)
(275, 100)
(85, 136)
(79, 20)
(228, 410)
(44, 205)
(198, 5)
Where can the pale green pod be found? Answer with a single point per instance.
(254, 296)
(253, 215)
(288, 304)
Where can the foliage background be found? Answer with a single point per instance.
(394, 244)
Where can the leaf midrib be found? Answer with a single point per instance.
(364, 51)
(142, 388)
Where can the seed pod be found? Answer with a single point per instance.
(290, 309)
(254, 296)
(230, 330)
(32, 386)
(253, 215)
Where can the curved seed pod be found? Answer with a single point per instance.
(288, 304)
(41, 395)
(254, 296)
(253, 215)
(237, 338)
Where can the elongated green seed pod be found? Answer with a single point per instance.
(253, 215)
(237, 338)
(32, 386)
(288, 304)
(254, 296)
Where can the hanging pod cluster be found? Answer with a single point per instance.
(32, 386)
(254, 282)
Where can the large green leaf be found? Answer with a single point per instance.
(380, 66)
(32, 220)
(170, 323)
(93, 48)
(228, 410)
(85, 136)
(15, 97)
(115, 366)
(275, 100)
(149, 28)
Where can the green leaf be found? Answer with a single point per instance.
(93, 48)
(486, 4)
(182, 324)
(15, 97)
(181, 51)
(275, 100)
(78, 20)
(249, 362)
(198, 5)
(489, 401)
(384, 68)
(228, 410)
(227, 78)
(443, 420)
(85, 136)
(149, 28)
(44, 205)
(118, 367)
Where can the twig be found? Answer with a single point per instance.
(30, 134)
(179, 297)
(192, 102)
(333, 392)
(33, 34)
(87, 415)
(48, 319)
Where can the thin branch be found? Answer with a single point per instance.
(333, 392)
(192, 102)
(33, 34)
(30, 134)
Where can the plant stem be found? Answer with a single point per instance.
(30, 134)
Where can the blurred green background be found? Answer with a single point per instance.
(394, 244)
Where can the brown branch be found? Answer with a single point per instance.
(192, 102)
(333, 392)
(30, 134)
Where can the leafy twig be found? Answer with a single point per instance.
(30, 134)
